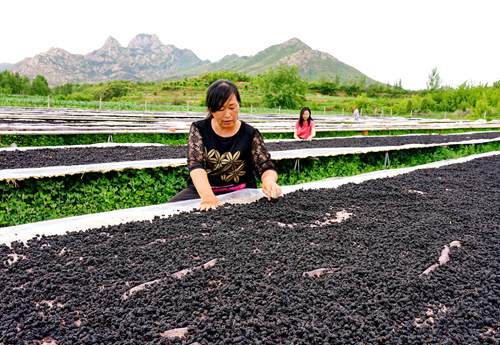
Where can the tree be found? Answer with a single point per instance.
(40, 86)
(14, 83)
(283, 87)
(434, 80)
(115, 89)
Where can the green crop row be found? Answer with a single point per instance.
(35, 200)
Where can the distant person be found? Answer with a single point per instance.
(224, 153)
(305, 127)
(355, 113)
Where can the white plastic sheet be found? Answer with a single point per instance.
(264, 128)
(98, 145)
(21, 174)
(77, 121)
(335, 151)
(81, 223)
(436, 134)
(25, 173)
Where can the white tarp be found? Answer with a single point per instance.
(264, 128)
(72, 114)
(336, 151)
(16, 120)
(98, 145)
(81, 223)
(368, 137)
(20, 174)
(112, 144)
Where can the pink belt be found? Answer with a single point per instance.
(231, 188)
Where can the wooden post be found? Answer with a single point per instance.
(251, 108)
(48, 101)
(324, 110)
(100, 103)
(145, 106)
(387, 160)
(279, 109)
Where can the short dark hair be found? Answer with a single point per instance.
(219, 92)
(301, 120)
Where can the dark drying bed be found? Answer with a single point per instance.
(77, 156)
(276, 273)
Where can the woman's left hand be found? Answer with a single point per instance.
(271, 189)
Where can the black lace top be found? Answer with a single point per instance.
(228, 161)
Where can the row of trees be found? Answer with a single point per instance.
(283, 87)
(16, 84)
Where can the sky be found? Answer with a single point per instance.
(388, 40)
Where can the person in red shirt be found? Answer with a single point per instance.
(305, 127)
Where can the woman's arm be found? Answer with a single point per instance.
(200, 181)
(295, 135)
(196, 165)
(265, 167)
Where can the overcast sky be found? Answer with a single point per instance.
(386, 40)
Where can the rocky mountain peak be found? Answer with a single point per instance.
(145, 41)
(57, 52)
(296, 43)
(110, 44)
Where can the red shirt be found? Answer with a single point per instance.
(305, 131)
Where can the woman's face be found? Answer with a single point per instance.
(227, 116)
(305, 115)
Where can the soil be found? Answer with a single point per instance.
(342, 266)
(78, 156)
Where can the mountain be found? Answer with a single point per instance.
(312, 64)
(146, 58)
(5, 66)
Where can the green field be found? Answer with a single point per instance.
(323, 97)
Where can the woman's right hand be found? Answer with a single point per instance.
(209, 203)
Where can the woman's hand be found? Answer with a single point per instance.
(207, 196)
(271, 190)
(209, 203)
(269, 186)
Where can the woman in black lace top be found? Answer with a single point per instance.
(224, 153)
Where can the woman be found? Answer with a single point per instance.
(224, 152)
(355, 113)
(305, 127)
